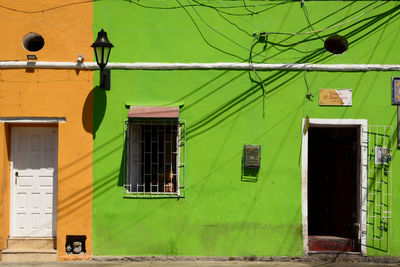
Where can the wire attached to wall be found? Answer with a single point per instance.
(309, 23)
(218, 32)
(204, 5)
(204, 38)
(309, 95)
(253, 44)
(256, 40)
(245, 6)
(330, 27)
(47, 9)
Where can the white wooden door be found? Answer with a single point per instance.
(34, 181)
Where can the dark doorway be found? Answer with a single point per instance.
(333, 188)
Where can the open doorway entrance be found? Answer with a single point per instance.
(334, 188)
(334, 185)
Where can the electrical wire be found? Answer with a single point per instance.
(83, 2)
(213, 29)
(261, 83)
(286, 40)
(253, 44)
(47, 9)
(234, 24)
(309, 23)
(330, 27)
(245, 6)
(275, 45)
(204, 5)
(204, 38)
(309, 95)
(235, 14)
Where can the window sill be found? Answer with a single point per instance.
(152, 195)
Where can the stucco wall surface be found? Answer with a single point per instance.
(222, 215)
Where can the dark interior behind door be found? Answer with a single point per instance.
(332, 188)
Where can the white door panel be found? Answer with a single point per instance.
(34, 181)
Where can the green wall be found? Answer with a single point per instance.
(222, 215)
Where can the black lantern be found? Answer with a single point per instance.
(102, 48)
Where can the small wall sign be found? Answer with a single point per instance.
(396, 91)
(335, 97)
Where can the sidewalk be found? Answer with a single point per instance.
(198, 264)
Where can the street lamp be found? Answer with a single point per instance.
(102, 48)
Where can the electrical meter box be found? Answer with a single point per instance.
(252, 156)
(381, 155)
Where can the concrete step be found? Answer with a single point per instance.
(330, 243)
(30, 250)
(31, 243)
(29, 255)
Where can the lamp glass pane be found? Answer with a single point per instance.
(96, 55)
(99, 55)
(107, 51)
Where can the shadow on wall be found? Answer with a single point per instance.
(122, 173)
(92, 115)
(248, 174)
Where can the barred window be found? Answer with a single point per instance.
(154, 152)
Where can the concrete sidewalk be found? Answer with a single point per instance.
(198, 264)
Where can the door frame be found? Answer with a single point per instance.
(12, 176)
(362, 125)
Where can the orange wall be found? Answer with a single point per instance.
(66, 27)
(4, 184)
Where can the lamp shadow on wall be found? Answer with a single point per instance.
(94, 110)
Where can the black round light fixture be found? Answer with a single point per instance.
(336, 44)
(102, 48)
